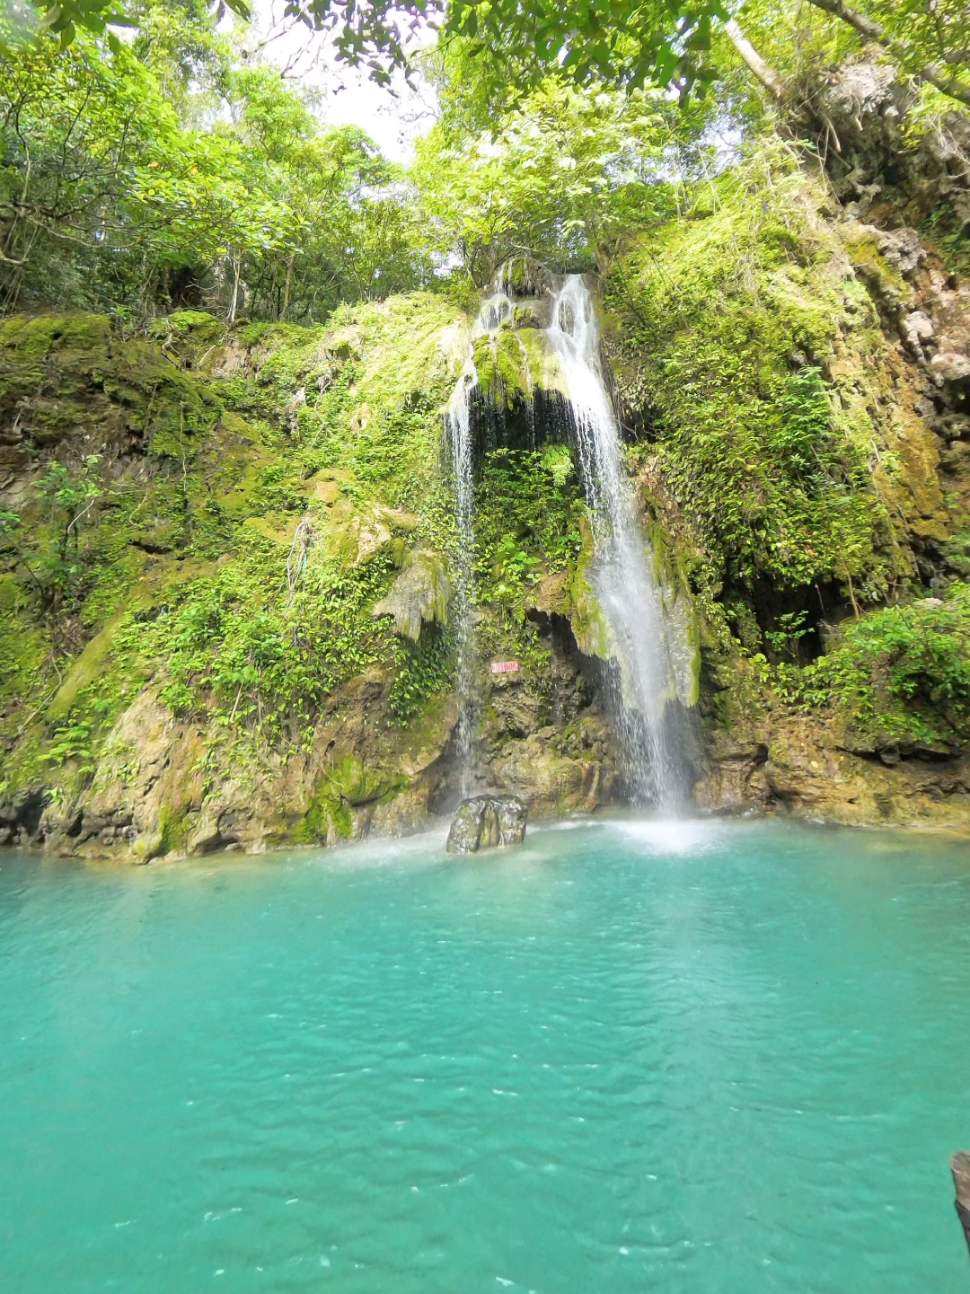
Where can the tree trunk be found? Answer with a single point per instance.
(286, 290)
(236, 263)
(768, 77)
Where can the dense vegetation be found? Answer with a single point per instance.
(231, 331)
(166, 173)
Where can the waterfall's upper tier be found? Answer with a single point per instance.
(518, 393)
(522, 278)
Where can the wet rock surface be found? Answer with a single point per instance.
(486, 821)
(791, 766)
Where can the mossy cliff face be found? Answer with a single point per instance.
(225, 590)
(796, 383)
(227, 559)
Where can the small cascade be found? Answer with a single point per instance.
(622, 573)
(494, 312)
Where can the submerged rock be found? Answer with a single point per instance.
(483, 821)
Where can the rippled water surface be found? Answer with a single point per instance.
(712, 1058)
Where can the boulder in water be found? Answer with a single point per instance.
(482, 821)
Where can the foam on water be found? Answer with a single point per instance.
(670, 835)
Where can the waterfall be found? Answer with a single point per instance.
(460, 429)
(643, 639)
(622, 572)
(494, 312)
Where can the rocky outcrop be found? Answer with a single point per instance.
(21, 815)
(881, 170)
(419, 595)
(797, 768)
(309, 585)
(770, 758)
(162, 790)
(487, 821)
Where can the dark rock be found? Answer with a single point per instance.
(483, 821)
(22, 813)
(523, 277)
(531, 314)
(903, 250)
(960, 1167)
(468, 825)
(512, 816)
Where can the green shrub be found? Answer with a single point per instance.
(725, 335)
(901, 674)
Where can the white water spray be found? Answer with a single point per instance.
(494, 312)
(622, 572)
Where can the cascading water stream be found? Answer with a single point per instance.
(493, 314)
(622, 573)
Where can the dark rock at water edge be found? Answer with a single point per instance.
(960, 1166)
(20, 816)
(483, 821)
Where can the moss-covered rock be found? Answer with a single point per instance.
(225, 577)
(419, 595)
(63, 376)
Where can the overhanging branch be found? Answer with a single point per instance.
(768, 77)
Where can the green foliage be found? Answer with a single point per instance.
(630, 43)
(527, 508)
(766, 459)
(102, 192)
(25, 674)
(426, 669)
(930, 43)
(627, 40)
(98, 16)
(9, 522)
(349, 231)
(71, 743)
(235, 648)
(173, 569)
(562, 175)
(54, 560)
(111, 197)
(804, 432)
(528, 513)
(791, 627)
(897, 675)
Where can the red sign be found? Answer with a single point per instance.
(505, 666)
